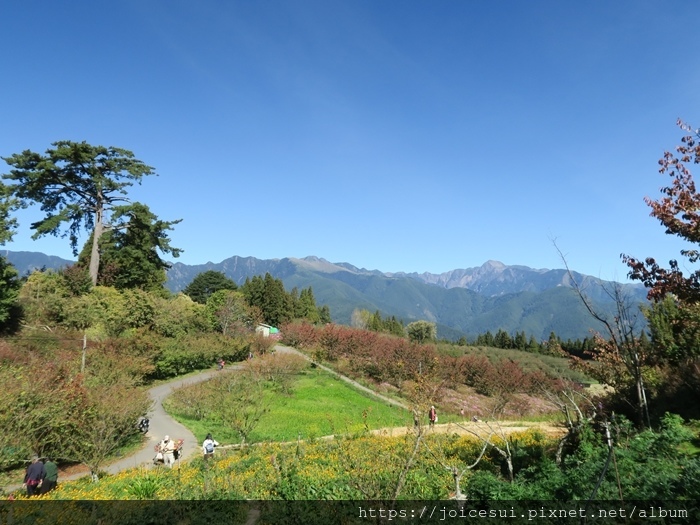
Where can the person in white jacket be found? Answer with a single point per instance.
(208, 446)
(167, 448)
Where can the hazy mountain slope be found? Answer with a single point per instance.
(27, 262)
(468, 301)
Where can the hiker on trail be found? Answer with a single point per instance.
(167, 448)
(220, 364)
(432, 416)
(51, 478)
(34, 476)
(208, 446)
(144, 423)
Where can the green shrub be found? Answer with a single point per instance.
(144, 487)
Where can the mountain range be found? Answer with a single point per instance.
(463, 302)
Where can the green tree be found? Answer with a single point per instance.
(375, 323)
(307, 306)
(675, 330)
(324, 315)
(9, 278)
(485, 339)
(254, 291)
(77, 184)
(44, 297)
(9, 293)
(229, 312)
(276, 304)
(395, 327)
(296, 305)
(421, 331)
(107, 311)
(674, 321)
(179, 316)
(553, 344)
(533, 345)
(360, 318)
(132, 246)
(8, 204)
(104, 311)
(76, 279)
(268, 294)
(206, 283)
(503, 340)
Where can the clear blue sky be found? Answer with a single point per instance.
(398, 136)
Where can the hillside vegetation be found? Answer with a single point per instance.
(82, 345)
(462, 303)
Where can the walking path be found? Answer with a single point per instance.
(161, 424)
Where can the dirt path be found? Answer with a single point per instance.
(480, 429)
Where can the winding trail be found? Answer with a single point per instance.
(161, 424)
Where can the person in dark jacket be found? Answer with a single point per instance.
(34, 476)
(432, 416)
(51, 478)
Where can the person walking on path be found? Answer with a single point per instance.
(51, 478)
(34, 476)
(432, 416)
(208, 446)
(167, 448)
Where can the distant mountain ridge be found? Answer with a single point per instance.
(462, 302)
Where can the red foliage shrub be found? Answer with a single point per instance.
(474, 368)
(299, 334)
(390, 359)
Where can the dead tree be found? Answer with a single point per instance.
(622, 348)
(569, 400)
(458, 471)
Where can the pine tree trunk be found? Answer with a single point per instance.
(95, 253)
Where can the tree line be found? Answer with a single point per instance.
(424, 331)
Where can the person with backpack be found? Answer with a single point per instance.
(208, 446)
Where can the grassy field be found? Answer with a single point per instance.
(319, 405)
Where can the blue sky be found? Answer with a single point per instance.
(398, 136)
